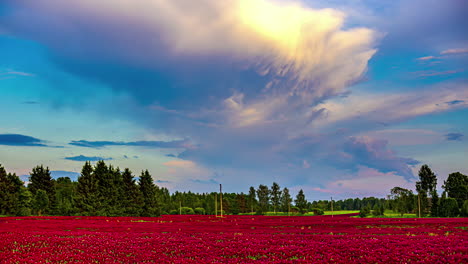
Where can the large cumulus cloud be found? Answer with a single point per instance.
(292, 49)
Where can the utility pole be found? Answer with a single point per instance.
(180, 207)
(221, 198)
(332, 205)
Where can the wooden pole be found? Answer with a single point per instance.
(180, 207)
(221, 198)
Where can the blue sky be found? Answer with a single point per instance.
(339, 98)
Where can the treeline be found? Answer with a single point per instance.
(426, 201)
(104, 190)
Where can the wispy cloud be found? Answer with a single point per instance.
(21, 140)
(150, 144)
(86, 158)
(209, 181)
(455, 102)
(426, 58)
(454, 136)
(423, 74)
(454, 51)
(11, 74)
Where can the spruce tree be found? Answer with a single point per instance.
(275, 196)
(148, 191)
(131, 197)
(286, 200)
(301, 202)
(40, 179)
(87, 198)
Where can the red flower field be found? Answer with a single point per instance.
(234, 239)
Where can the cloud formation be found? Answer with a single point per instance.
(454, 51)
(83, 158)
(150, 144)
(373, 153)
(282, 41)
(454, 136)
(20, 140)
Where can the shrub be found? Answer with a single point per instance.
(199, 211)
(317, 211)
(187, 210)
(464, 210)
(448, 207)
(364, 211)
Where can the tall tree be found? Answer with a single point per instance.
(252, 202)
(275, 196)
(87, 199)
(456, 187)
(40, 179)
(148, 191)
(65, 191)
(10, 192)
(132, 201)
(403, 200)
(426, 185)
(286, 200)
(40, 201)
(263, 194)
(301, 202)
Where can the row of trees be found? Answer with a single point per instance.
(107, 191)
(426, 201)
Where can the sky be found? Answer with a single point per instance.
(340, 98)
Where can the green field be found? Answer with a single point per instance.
(311, 213)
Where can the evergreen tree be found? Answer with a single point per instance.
(286, 200)
(87, 199)
(148, 191)
(65, 192)
(263, 194)
(434, 204)
(40, 179)
(275, 196)
(132, 200)
(40, 201)
(301, 202)
(10, 191)
(24, 202)
(252, 202)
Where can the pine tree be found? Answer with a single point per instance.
(148, 191)
(301, 202)
(131, 197)
(40, 179)
(87, 199)
(40, 201)
(263, 194)
(286, 200)
(275, 196)
(252, 202)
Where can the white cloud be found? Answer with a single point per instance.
(454, 51)
(282, 39)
